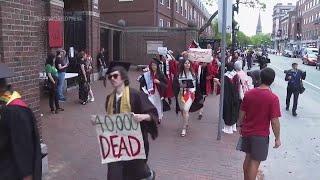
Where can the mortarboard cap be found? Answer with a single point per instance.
(113, 64)
(5, 71)
(156, 60)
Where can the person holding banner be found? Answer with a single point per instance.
(154, 84)
(123, 100)
(186, 96)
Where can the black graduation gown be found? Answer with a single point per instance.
(231, 101)
(135, 169)
(163, 88)
(20, 151)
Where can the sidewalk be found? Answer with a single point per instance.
(74, 154)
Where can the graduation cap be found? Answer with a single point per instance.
(112, 64)
(156, 60)
(5, 71)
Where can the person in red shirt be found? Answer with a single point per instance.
(259, 107)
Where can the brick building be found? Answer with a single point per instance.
(131, 31)
(279, 11)
(303, 25)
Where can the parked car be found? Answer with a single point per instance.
(288, 53)
(310, 56)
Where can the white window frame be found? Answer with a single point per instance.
(177, 6)
(186, 8)
(181, 7)
(160, 22)
(169, 4)
(168, 24)
(161, 2)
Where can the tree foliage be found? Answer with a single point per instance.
(261, 39)
(218, 35)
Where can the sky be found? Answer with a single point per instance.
(248, 17)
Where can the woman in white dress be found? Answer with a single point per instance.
(153, 83)
(187, 82)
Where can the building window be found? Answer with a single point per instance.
(186, 9)
(161, 2)
(168, 24)
(177, 5)
(160, 22)
(181, 7)
(169, 4)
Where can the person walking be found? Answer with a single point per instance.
(249, 59)
(52, 84)
(126, 99)
(294, 77)
(259, 107)
(61, 66)
(186, 96)
(154, 83)
(101, 63)
(20, 151)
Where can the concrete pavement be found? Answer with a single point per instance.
(74, 154)
(299, 156)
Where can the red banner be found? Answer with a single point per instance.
(55, 34)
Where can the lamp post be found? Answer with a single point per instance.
(235, 8)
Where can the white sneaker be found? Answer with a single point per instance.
(227, 129)
(183, 133)
(234, 127)
(92, 99)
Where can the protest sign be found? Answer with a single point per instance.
(162, 50)
(119, 137)
(200, 55)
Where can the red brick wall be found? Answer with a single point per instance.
(22, 46)
(135, 13)
(135, 48)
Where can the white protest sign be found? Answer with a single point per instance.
(119, 137)
(200, 55)
(162, 50)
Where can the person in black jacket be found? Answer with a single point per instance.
(20, 151)
(294, 77)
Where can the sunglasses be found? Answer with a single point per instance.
(114, 76)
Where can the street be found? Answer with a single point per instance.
(299, 156)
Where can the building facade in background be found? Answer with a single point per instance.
(295, 27)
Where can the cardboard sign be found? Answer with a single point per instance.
(200, 55)
(162, 50)
(119, 138)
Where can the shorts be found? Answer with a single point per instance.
(256, 146)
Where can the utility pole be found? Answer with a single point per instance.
(223, 64)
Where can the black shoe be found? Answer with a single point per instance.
(287, 108)
(294, 114)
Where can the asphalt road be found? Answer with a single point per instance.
(299, 156)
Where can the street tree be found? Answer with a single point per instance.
(258, 4)
(261, 39)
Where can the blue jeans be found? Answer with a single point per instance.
(61, 76)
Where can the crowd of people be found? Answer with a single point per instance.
(167, 78)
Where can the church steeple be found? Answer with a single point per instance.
(259, 27)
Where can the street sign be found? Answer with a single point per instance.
(229, 16)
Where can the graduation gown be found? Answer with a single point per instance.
(231, 101)
(169, 69)
(19, 143)
(161, 88)
(135, 169)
